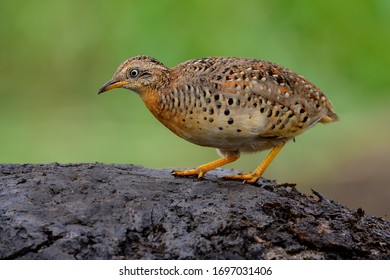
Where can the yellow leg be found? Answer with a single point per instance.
(202, 169)
(255, 176)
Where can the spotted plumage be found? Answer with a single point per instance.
(232, 104)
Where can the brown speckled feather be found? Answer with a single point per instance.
(240, 104)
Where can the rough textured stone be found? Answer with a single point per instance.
(99, 211)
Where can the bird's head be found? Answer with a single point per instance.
(139, 74)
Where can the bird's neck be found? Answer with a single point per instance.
(154, 101)
(160, 104)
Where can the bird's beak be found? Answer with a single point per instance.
(112, 84)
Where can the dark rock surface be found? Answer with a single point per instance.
(99, 211)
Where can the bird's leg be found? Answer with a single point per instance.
(255, 175)
(202, 169)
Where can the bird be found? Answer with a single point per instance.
(235, 105)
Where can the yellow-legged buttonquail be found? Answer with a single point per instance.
(232, 104)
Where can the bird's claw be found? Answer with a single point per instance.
(247, 178)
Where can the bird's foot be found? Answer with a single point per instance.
(191, 172)
(249, 178)
(203, 169)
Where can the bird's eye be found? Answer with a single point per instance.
(134, 73)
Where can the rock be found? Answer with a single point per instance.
(100, 211)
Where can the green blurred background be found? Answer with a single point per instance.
(55, 55)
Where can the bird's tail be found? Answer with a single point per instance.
(330, 116)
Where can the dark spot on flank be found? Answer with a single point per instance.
(205, 118)
(204, 109)
(227, 78)
(302, 111)
(254, 105)
(211, 119)
(279, 121)
(291, 115)
(260, 101)
(281, 126)
(219, 77)
(279, 79)
(262, 109)
(216, 97)
(211, 111)
(226, 112)
(269, 113)
(208, 100)
(238, 130)
(244, 87)
(216, 86)
(191, 112)
(273, 126)
(230, 121)
(244, 76)
(238, 102)
(230, 101)
(218, 104)
(183, 120)
(220, 128)
(277, 112)
(305, 119)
